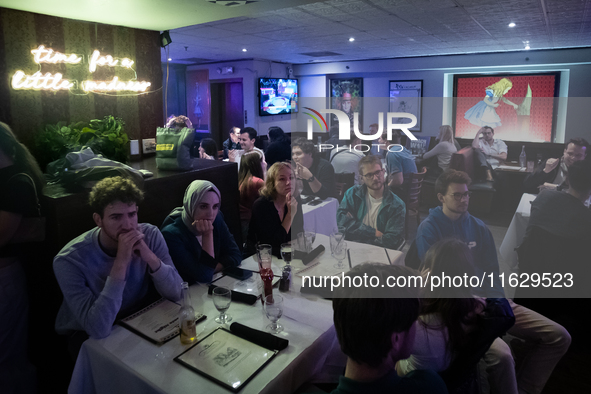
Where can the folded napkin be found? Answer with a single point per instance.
(308, 257)
(237, 296)
(261, 338)
(323, 291)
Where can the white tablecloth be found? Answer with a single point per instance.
(126, 363)
(323, 216)
(515, 233)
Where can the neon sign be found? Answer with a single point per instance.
(48, 55)
(40, 81)
(115, 85)
(97, 60)
(48, 81)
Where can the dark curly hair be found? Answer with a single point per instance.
(451, 176)
(114, 189)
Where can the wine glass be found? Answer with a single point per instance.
(222, 297)
(339, 253)
(274, 310)
(335, 239)
(286, 254)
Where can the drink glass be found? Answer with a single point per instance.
(339, 253)
(274, 310)
(264, 254)
(222, 297)
(335, 239)
(306, 240)
(286, 254)
(530, 166)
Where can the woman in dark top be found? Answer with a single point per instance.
(277, 214)
(20, 180)
(250, 181)
(208, 149)
(199, 241)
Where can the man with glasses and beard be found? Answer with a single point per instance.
(545, 341)
(370, 213)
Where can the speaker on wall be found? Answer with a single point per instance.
(165, 38)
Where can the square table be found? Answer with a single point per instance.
(125, 362)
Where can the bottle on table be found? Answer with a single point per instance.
(187, 317)
(522, 158)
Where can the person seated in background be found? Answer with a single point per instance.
(563, 213)
(248, 137)
(383, 143)
(21, 185)
(400, 164)
(490, 153)
(345, 159)
(549, 340)
(198, 239)
(377, 329)
(250, 181)
(233, 141)
(552, 173)
(451, 318)
(178, 122)
(279, 148)
(277, 214)
(208, 149)
(442, 151)
(107, 271)
(317, 174)
(370, 213)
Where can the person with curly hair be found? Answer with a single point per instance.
(108, 271)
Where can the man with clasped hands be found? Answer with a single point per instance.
(107, 271)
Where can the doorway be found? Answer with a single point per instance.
(227, 108)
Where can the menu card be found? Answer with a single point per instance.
(158, 322)
(226, 359)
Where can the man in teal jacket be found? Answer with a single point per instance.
(370, 213)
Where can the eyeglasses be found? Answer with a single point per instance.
(460, 196)
(577, 156)
(373, 174)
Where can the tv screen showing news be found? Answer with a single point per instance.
(278, 96)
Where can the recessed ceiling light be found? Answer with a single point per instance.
(170, 59)
(351, 39)
(511, 24)
(243, 49)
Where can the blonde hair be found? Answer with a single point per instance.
(499, 87)
(269, 190)
(446, 133)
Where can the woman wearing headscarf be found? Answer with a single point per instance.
(199, 241)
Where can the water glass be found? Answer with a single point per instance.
(264, 256)
(339, 253)
(305, 241)
(274, 310)
(335, 239)
(222, 297)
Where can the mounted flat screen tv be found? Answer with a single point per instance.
(278, 96)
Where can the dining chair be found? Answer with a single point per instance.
(412, 200)
(343, 181)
